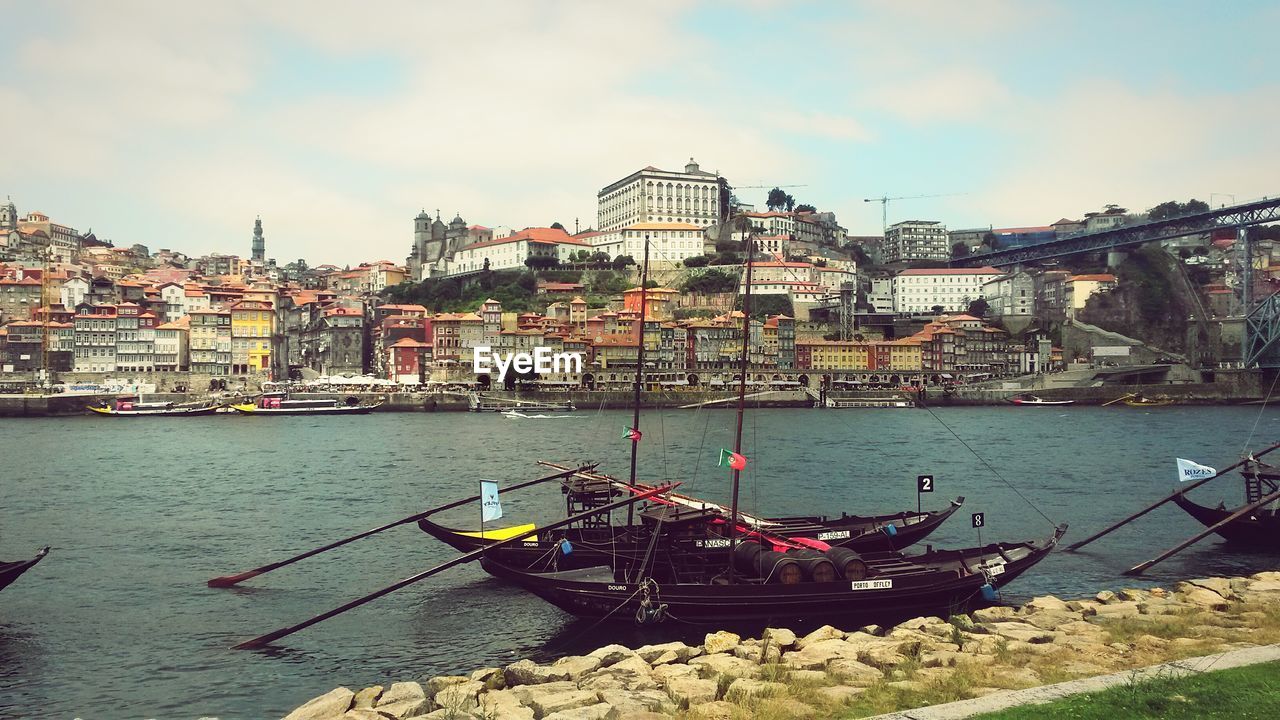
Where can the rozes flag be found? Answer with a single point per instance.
(631, 434)
(1188, 470)
(731, 459)
(490, 506)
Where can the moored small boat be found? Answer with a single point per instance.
(1033, 400)
(131, 407)
(9, 571)
(1140, 401)
(278, 403)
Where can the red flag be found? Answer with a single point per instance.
(631, 434)
(731, 459)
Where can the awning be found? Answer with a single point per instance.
(946, 376)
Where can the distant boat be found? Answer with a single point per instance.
(1140, 401)
(132, 407)
(1036, 400)
(278, 403)
(9, 571)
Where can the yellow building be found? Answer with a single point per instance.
(252, 328)
(837, 355)
(905, 354)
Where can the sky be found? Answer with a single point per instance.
(174, 125)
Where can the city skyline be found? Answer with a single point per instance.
(176, 126)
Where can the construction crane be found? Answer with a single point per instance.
(884, 205)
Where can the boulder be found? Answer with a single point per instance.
(630, 674)
(576, 666)
(332, 704)
(663, 673)
(365, 698)
(688, 691)
(527, 672)
(1134, 595)
(787, 707)
(1268, 576)
(1021, 631)
(503, 705)
(627, 704)
(1222, 586)
(933, 626)
(1105, 597)
(815, 656)
(1052, 619)
(881, 657)
(964, 622)
(364, 714)
(666, 658)
(839, 694)
(778, 637)
(544, 704)
(526, 693)
(598, 711)
(872, 629)
(744, 688)
(826, 632)
(683, 652)
(1203, 598)
(610, 654)
(1019, 677)
(815, 677)
(1117, 610)
(720, 642)
(941, 658)
(460, 696)
(440, 682)
(983, 644)
(492, 678)
(722, 664)
(994, 614)
(855, 672)
(758, 653)
(1045, 602)
(404, 700)
(717, 710)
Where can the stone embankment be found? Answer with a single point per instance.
(831, 672)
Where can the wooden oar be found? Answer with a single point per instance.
(230, 580)
(1113, 402)
(277, 634)
(1171, 496)
(1141, 568)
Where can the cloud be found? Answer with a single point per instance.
(820, 125)
(947, 95)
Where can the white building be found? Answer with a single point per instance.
(175, 300)
(660, 196)
(916, 240)
(668, 242)
(880, 295)
(1012, 295)
(73, 291)
(511, 252)
(919, 291)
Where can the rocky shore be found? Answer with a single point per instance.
(831, 672)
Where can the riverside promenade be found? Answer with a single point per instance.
(832, 672)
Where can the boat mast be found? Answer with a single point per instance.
(742, 403)
(635, 401)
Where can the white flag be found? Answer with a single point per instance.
(490, 506)
(1188, 470)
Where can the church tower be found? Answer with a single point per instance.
(259, 243)
(8, 216)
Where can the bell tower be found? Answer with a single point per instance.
(259, 243)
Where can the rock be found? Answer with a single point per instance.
(1079, 629)
(778, 637)
(839, 694)
(815, 656)
(1222, 586)
(1203, 598)
(503, 705)
(826, 632)
(718, 710)
(576, 666)
(629, 674)
(964, 622)
(683, 652)
(663, 673)
(528, 672)
(610, 654)
(1263, 586)
(872, 629)
(720, 642)
(447, 714)
(786, 707)
(366, 698)
(983, 645)
(721, 664)
(941, 658)
(744, 688)
(460, 696)
(908, 685)
(1150, 642)
(882, 657)
(544, 704)
(364, 714)
(1020, 676)
(1045, 602)
(993, 614)
(332, 704)
(616, 714)
(854, 672)
(759, 653)
(1052, 619)
(598, 711)
(440, 682)
(1022, 631)
(666, 658)
(1134, 595)
(687, 692)
(1268, 576)
(492, 678)
(1118, 610)
(403, 700)
(1084, 607)
(1160, 606)
(815, 677)
(1105, 597)
(1081, 668)
(627, 704)
(526, 693)
(937, 627)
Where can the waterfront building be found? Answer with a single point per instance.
(407, 360)
(695, 197)
(73, 290)
(95, 338)
(921, 290)
(18, 298)
(670, 243)
(135, 338)
(333, 342)
(172, 343)
(25, 345)
(252, 330)
(210, 342)
(916, 240)
(1079, 288)
(1010, 295)
(550, 245)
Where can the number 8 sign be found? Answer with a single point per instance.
(979, 520)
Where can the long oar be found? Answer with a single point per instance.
(1122, 397)
(1188, 488)
(1141, 568)
(229, 580)
(277, 634)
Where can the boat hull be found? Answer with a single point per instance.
(342, 410)
(1259, 530)
(12, 570)
(167, 412)
(938, 583)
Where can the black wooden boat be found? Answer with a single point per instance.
(1259, 529)
(9, 571)
(891, 586)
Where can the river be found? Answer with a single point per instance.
(117, 622)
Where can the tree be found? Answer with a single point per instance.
(557, 226)
(790, 203)
(959, 250)
(696, 261)
(1173, 208)
(979, 308)
(1184, 253)
(623, 261)
(777, 199)
(599, 257)
(937, 309)
(806, 208)
(712, 281)
(724, 246)
(541, 262)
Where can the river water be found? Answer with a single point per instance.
(117, 622)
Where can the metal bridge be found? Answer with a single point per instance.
(1261, 336)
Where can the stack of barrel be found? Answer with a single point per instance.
(798, 565)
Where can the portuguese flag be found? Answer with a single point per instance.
(631, 434)
(731, 459)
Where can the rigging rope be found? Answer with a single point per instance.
(1265, 400)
